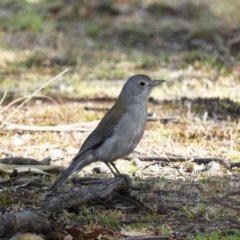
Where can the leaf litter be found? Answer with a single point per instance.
(208, 202)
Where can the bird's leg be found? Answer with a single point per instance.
(117, 173)
(113, 165)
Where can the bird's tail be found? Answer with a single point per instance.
(62, 178)
(77, 164)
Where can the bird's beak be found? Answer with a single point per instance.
(157, 82)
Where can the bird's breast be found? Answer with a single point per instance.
(127, 134)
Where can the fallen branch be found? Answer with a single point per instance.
(25, 161)
(150, 118)
(18, 181)
(50, 219)
(8, 181)
(229, 164)
(83, 127)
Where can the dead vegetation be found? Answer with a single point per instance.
(173, 185)
(185, 169)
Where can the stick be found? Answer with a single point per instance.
(34, 93)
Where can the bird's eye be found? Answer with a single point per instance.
(142, 84)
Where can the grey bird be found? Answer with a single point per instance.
(119, 131)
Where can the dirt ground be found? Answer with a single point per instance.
(189, 155)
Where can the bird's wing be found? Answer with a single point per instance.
(103, 131)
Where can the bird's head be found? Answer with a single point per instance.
(138, 88)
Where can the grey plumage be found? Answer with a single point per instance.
(119, 131)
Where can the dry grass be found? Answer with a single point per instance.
(100, 63)
(193, 135)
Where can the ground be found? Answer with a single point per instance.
(196, 112)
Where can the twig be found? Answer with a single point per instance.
(25, 97)
(163, 119)
(150, 118)
(61, 128)
(70, 127)
(214, 199)
(19, 181)
(96, 108)
(10, 180)
(138, 204)
(4, 95)
(226, 163)
(33, 94)
(11, 126)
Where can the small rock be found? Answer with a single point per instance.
(56, 153)
(17, 141)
